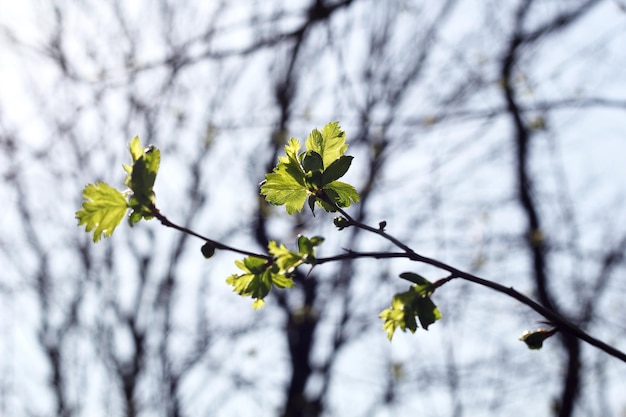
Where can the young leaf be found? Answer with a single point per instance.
(135, 148)
(140, 178)
(103, 209)
(312, 161)
(286, 184)
(337, 169)
(144, 174)
(415, 278)
(282, 188)
(257, 280)
(286, 260)
(291, 162)
(330, 143)
(312, 174)
(306, 246)
(139, 210)
(409, 305)
(394, 317)
(426, 311)
(150, 157)
(341, 194)
(313, 180)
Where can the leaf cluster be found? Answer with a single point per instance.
(140, 178)
(408, 306)
(105, 207)
(312, 174)
(260, 274)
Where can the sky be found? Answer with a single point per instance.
(453, 177)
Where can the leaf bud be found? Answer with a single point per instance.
(341, 222)
(534, 338)
(208, 249)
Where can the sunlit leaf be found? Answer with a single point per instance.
(103, 209)
(141, 176)
(281, 188)
(286, 260)
(291, 163)
(306, 246)
(312, 174)
(330, 143)
(144, 173)
(258, 278)
(408, 306)
(286, 184)
(341, 194)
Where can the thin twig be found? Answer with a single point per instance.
(556, 319)
(218, 245)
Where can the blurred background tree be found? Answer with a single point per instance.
(487, 134)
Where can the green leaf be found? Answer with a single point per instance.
(291, 161)
(286, 260)
(299, 175)
(330, 143)
(337, 169)
(140, 178)
(394, 317)
(426, 311)
(415, 278)
(258, 278)
(286, 184)
(341, 193)
(408, 306)
(254, 281)
(313, 180)
(136, 152)
(103, 209)
(140, 209)
(281, 281)
(312, 161)
(281, 188)
(144, 174)
(306, 246)
(135, 148)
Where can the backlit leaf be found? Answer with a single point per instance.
(330, 143)
(281, 188)
(408, 306)
(312, 174)
(103, 209)
(341, 193)
(337, 169)
(258, 278)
